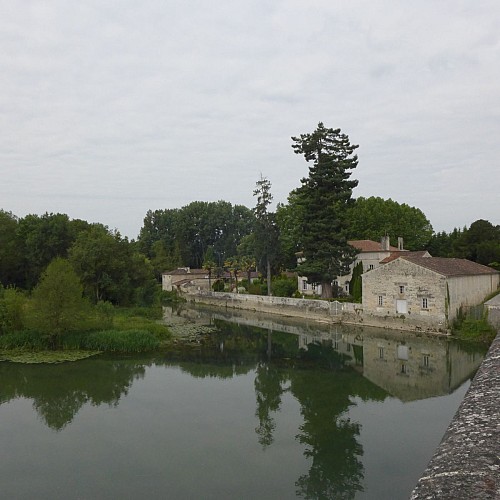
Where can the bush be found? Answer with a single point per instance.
(218, 286)
(284, 287)
(12, 304)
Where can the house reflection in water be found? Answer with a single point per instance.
(406, 366)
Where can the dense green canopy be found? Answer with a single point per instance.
(323, 201)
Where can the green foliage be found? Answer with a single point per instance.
(474, 326)
(474, 330)
(111, 269)
(355, 285)
(479, 243)
(105, 313)
(42, 239)
(284, 287)
(188, 232)
(288, 219)
(171, 297)
(28, 340)
(218, 286)
(113, 341)
(266, 241)
(323, 200)
(371, 218)
(57, 305)
(12, 305)
(11, 259)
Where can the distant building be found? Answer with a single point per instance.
(427, 290)
(370, 254)
(185, 278)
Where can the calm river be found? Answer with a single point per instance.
(285, 410)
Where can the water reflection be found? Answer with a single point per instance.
(408, 366)
(58, 392)
(324, 370)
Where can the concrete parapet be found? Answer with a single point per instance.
(466, 464)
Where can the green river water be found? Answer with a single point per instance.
(283, 410)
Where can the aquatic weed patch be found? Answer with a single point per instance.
(36, 357)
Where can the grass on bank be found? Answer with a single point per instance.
(474, 330)
(130, 330)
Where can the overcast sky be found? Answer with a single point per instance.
(111, 108)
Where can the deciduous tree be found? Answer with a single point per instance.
(57, 304)
(371, 218)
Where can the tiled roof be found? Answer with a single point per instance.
(369, 246)
(399, 253)
(449, 266)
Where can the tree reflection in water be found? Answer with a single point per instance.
(59, 391)
(322, 380)
(329, 436)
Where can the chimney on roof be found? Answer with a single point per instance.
(400, 243)
(385, 242)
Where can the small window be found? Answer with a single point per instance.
(425, 360)
(401, 289)
(425, 304)
(370, 267)
(380, 300)
(335, 283)
(404, 368)
(304, 285)
(346, 286)
(381, 352)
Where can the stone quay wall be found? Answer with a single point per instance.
(320, 310)
(467, 462)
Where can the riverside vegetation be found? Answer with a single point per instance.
(63, 280)
(58, 323)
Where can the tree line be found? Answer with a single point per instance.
(318, 219)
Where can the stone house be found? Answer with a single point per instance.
(426, 291)
(185, 279)
(370, 254)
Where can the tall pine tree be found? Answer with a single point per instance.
(324, 198)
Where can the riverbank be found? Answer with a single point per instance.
(467, 462)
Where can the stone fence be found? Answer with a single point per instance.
(466, 464)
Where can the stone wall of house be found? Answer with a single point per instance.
(381, 293)
(410, 370)
(166, 282)
(470, 290)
